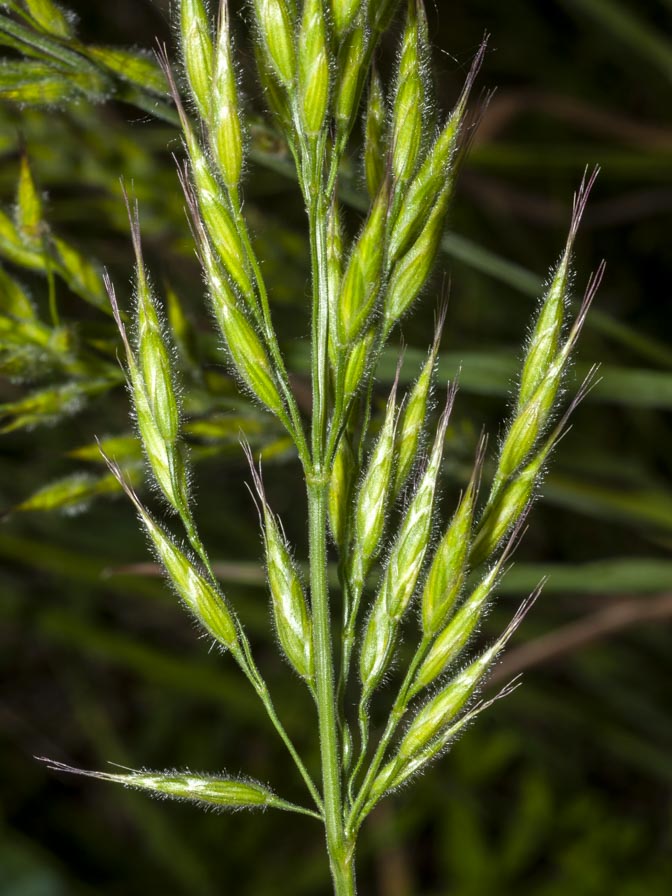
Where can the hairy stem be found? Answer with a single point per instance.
(341, 852)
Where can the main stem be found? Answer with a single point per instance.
(341, 852)
(340, 849)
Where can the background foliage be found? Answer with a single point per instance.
(565, 786)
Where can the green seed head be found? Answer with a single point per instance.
(219, 223)
(276, 31)
(48, 16)
(411, 272)
(377, 646)
(350, 79)
(374, 136)
(452, 640)
(197, 51)
(340, 491)
(225, 130)
(157, 377)
(449, 566)
(409, 99)
(529, 424)
(155, 368)
(154, 423)
(409, 431)
(361, 282)
(290, 611)
(508, 507)
(358, 358)
(442, 709)
(247, 352)
(29, 214)
(372, 498)
(344, 14)
(201, 597)
(544, 342)
(433, 177)
(410, 546)
(313, 68)
(204, 790)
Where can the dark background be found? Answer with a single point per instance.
(562, 788)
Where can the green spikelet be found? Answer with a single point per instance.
(340, 490)
(442, 709)
(290, 610)
(373, 496)
(226, 130)
(350, 81)
(197, 52)
(374, 136)
(274, 22)
(410, 546)
(313, 68)
(344, 14)
(449, 566)
(361, 281)
(408, 114)
(409, 431)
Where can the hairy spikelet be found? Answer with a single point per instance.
(225, 129)
(372, 498)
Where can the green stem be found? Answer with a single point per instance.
(341, 851)
(248, 666)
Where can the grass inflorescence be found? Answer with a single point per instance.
(372, 496)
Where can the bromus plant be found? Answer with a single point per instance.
(372, 492)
